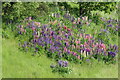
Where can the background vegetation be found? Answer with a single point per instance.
(13, 11)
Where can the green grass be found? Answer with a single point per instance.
(0, 53)
(18, 64)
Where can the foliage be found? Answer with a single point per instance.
(16, 11)
(13, 11)
(85, 8)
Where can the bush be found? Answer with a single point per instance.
(16, 11)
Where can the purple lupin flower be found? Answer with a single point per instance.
(35, 40)
(105, 30)
(35, 33)
(20, 32)
(109, 21)
(36, 49)
(113, 54)
(87, 50)
(68, 51)
(42, 32)
(88, 60)
(66, 35)
(59, 38)
(65, 63)
(115, 47)
(52, 33)
(60, 63)
(110, 25)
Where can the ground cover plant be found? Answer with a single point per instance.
(67, 39)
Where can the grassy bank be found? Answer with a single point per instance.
(18, 64)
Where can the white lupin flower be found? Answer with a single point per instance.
(84, 53)
(52, 14)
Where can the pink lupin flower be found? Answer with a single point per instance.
(22, 30)
(74, 53)
(78, 56)
(33, 28)
(78, 19)
(89, 41)
(73, 46)
(80, 34)
(77, 46)
(74, 22)
(36, 36)
(77, 42)
(85, 44)
(58, 24)
(102, 46)
(51, 32)
(88, 37)
(87, 23)
(28, 24)
(65, 27)
(68, 29)
(66, 40)
(96, 44)
(71, 52)
(30, 18)
(38, 24)
(81, 45)
(67, 43)
(65, 49)
(93, 45)
(83, 18)
(54, 22)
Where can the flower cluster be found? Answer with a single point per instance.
(62, 41)
(62, 63)
(61, 67)
(113, 54)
